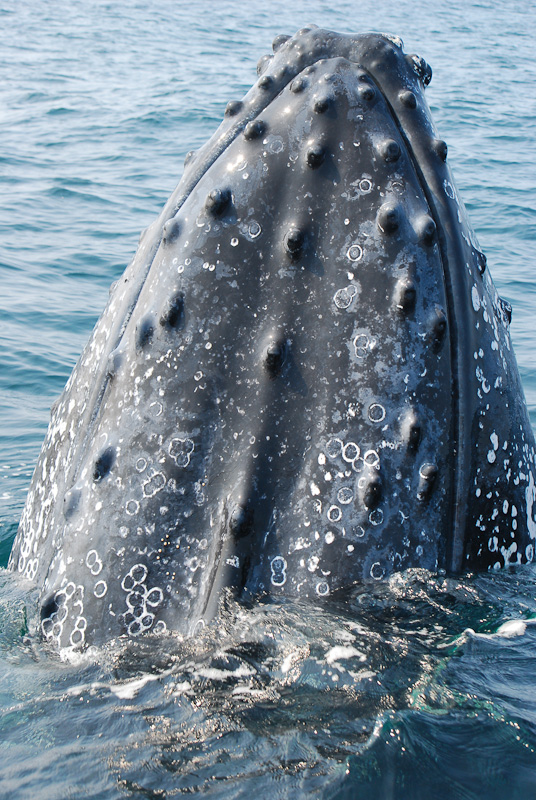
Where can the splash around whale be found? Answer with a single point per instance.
(303, 380)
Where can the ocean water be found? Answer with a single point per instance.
(423, 688)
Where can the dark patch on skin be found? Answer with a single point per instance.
(104, 464)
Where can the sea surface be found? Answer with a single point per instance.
(422, 688)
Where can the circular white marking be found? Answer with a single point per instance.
(377, 571)
(76, 638)
(334, 514)
(100, 589)
(193, 564)
(93, 562)
(334, 448)
(160, 627)
(371, 458)
(376, 412)
(449, 189)
(355, 252)
(278, 568)
(350, 452)
(154, 484)
(31, 568)
(134, 629)
(134, 577)
(69, 590)
(146, 621)
(361, 345)
(365, 185)
(376, 516)
(81, 624)
(141, 464)
(322, 588)
(136, 604)
(234, 242)
(343, 297)
(154, 597)
(132, 507)
(180, 451)
(254, 229)
(345, 495)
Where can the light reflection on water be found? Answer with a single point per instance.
(423, 680)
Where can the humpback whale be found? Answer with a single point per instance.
(303, 380)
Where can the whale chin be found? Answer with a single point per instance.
(304, 379)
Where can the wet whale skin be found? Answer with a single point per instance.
(303, 380)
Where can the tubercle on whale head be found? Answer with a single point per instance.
(296, 383)
(298, 55)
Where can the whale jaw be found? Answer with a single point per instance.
(303, 380)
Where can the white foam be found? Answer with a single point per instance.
(514, 627)
(342, 652)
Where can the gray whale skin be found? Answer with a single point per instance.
(303, 380)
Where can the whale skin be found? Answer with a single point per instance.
(303, 380)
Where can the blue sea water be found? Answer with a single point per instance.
(425, 688)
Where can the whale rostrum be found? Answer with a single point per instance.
(303, 380)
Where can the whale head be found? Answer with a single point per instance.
(303, 380)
